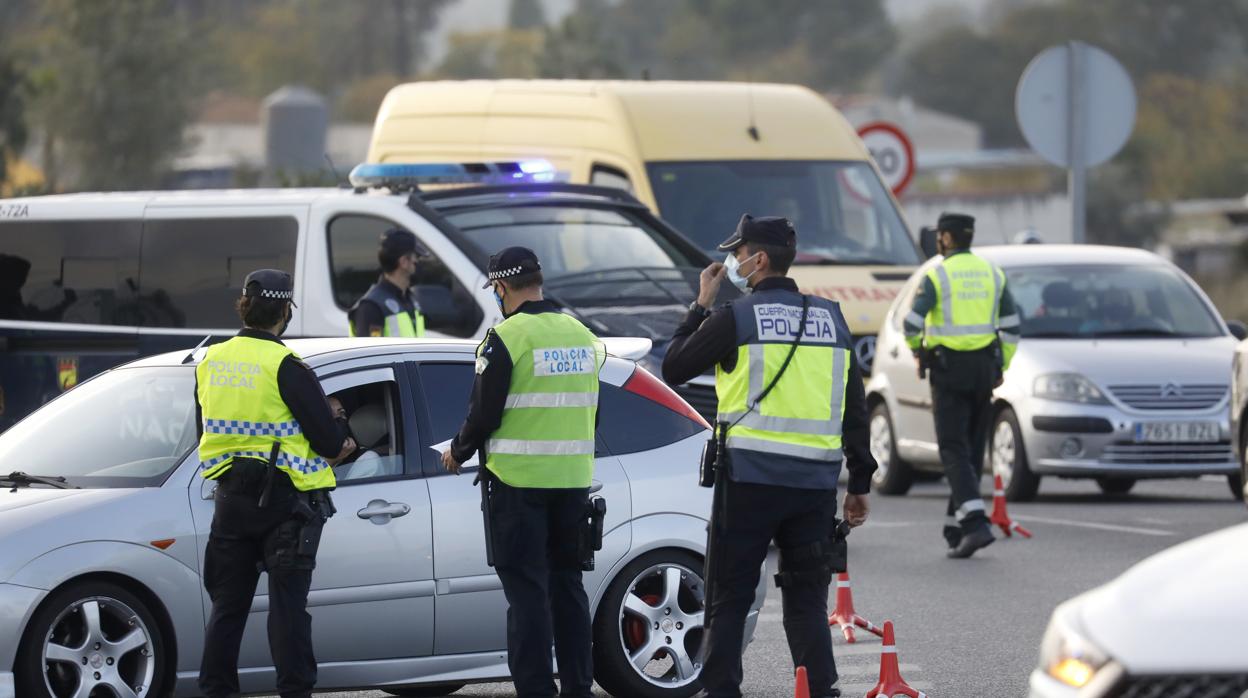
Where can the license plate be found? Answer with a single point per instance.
(1177, 432)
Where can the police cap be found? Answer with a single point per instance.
(764, 230)
(398, 241)
(956, 223)
(269, 283)
(511, 262)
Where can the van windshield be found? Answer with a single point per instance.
(841, 210)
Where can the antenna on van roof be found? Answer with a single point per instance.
(753, 129)
(190, 356)
(342, 183)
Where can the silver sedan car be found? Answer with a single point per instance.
(103, 521)
(1122, 373)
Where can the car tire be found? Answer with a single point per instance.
(1115, 486)
(894, 476)
(426, 691)
(1008, 456)
(637, 601)
(1236, 482)
(95, 630)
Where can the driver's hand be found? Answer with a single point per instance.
(708, 284)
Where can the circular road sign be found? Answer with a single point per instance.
(892, 151)
(1098, 84)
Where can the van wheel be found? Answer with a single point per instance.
(649, 630)
(91, 639)
(1009, 458)
(894, 475)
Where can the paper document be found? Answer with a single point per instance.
(440, 448)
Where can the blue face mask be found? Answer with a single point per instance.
(734, 272)
(499, 299)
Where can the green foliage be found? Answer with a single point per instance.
(526, 14)
(121, 94)
(14, 88)
(512, 53)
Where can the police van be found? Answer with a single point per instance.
(88, 281)
(698, 153)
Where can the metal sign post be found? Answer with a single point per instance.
(1077, 179)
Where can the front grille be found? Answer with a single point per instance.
(701, 398)
(1182, 686)
(1167, 453)
(1170, 396)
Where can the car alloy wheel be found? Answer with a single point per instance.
(661, 620)
(881, 444)
(98, 644)
(1004, 452)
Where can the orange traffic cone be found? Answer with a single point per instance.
(891, 684)
(803, 686)
(999, 516)
(844, 614)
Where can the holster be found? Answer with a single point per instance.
(483, 480)
(714, 456)
(589, 540)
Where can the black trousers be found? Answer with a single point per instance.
(536, 534)
(745, 519)
(245, 539)
(962, 384)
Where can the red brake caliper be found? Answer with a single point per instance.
(635, 628)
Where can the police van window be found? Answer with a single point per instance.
(376, 425)
(448, 306)
(607, 176)
(70, 271)
(193, 269)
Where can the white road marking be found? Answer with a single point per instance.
(1099, 526)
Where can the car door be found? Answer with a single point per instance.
(915, 432)
(372, 591)
(471, 609)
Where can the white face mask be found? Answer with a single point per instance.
(734, 273)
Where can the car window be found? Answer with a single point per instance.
(629, 423)
(1108, 301)
(448, 306)
(125, 428)
(376, 424)
(71, 271)
(193, 268)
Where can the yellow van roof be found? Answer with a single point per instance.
(656, 120)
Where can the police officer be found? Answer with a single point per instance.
(532, 415)
(784, 452)
(964, 327)
(388, 309)
(268, 438)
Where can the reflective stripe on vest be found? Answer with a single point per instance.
(546, 436)
(801, 418)
(244, 414)
(968, 290)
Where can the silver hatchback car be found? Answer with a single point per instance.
(1122, 373)
(100, 590)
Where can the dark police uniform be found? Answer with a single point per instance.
(533, 420)
(385, 310)
(784, 456)
(964, 314)
(266, 431)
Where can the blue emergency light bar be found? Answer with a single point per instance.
(397, 176)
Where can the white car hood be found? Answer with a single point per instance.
(1128, 361)
(1196, 590)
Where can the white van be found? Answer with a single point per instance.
(90, 280)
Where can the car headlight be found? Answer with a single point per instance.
(1068, 387)
(1066, 654)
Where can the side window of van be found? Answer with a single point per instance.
(69, 271)
(607, 176)
(448, 306)
(193, 269)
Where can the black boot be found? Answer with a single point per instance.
(981, 537)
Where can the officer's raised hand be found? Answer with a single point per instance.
(449, 462)
(856, 509)
(709, 282)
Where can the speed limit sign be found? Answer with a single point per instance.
(892, 151)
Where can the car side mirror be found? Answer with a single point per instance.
(1238, 329)
(927, 241)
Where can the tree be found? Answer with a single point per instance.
(510, 53)
(526, 14)
(121, 97)
(14, 88)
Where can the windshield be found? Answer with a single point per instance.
(126, 428)
(842, 213)
(572, 239)
(1109, 301)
